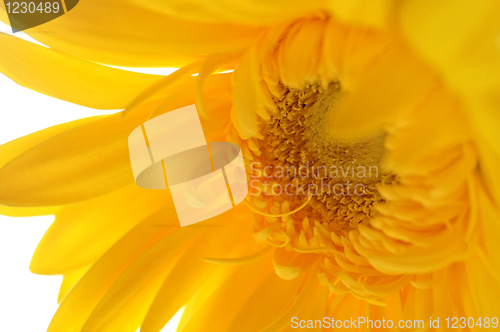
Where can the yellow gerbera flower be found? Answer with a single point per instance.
(409, 88)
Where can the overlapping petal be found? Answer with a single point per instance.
(68, 78)
(125, 33)
(92, 158)
(377, 13)
(84, 231)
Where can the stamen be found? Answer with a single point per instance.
(296, 138)
(311, 250)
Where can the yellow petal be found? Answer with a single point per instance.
(83, 231)
(347, 306)
(373, 13)
(128, 34)
(126, 303)
(85, 296)
(485, 288)
(455, 34)
(11, 150)
(216, 97)
(396, 84)
(221, 298)
(89, 160)
(255, 314)
(461, 39)
(191, 272)
(92, 159)
(444, 250)
(289, 265)
(68, 78)
(488, 251)
(69, 281)
(248, 97)
(244, 11)
(210, 65)
(370, 12)
(311, 304)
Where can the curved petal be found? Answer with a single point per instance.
(92, 159)
(466, 51)
(369, 12)
(402, 83)
(83, 231)
(117, 291)
(311, 304)
(11, 150)
(256, 314)
(86, 294)
(191, 272)
(484, 287)
(468, 35)
(244, 11)
(84, 162)
(124, 33)
(69, 281)
(219, 301)
(68, 78)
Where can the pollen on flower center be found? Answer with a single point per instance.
(340, 178)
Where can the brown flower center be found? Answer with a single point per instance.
(298, 163)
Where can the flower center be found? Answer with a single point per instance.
(299, 164)
(342, 131)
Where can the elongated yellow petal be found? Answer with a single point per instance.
(245, 11)
(489, 250)
(485, 288)
(468, 32)
(191, 271)
(210, 65)
(83, 231)
(216, 96)
(92, 159)
(315, 305)
(85, 296)
(14, 148)
(128, 34)
(126, 303)
(371, 12)
(289, 265)
(87, 161)
(375, 13)
(69, 281)
(256, 314)
(243, 114)
(68, 78)
(225, 298)
(466, 52)
(183, 281)
(397, 84)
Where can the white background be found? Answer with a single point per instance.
(28, 301)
